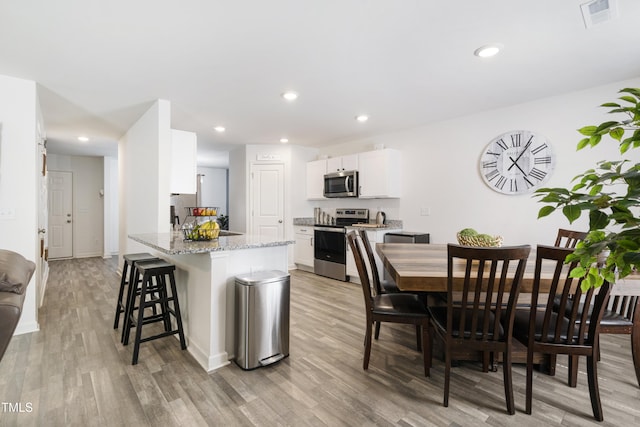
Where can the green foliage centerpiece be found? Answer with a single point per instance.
(609, 194)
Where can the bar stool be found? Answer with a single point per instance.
(153, 291)
(128, 266)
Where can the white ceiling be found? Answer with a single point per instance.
(405, 63)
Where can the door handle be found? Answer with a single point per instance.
(42, 230)
(279, 221)
(68, 221)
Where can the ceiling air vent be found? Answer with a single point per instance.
(597, 12)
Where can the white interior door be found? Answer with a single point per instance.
(267, 194)
(60, 214)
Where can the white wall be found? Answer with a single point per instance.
(111, 197)
(19, 190)
(238, 191)
(213, 188)
(88, 205)
(144, 172)
(440, 168)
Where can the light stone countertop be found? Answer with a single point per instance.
(174, 244)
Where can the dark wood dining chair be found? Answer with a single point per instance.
(487, 294)
(621, 316)
(569, 238)
(393, 308)
(545, 330)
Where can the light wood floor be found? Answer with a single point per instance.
(75, 372)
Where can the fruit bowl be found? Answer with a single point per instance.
(201, 232)
(483, 242)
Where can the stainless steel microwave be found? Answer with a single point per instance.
(341, 184)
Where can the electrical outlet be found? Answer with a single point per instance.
(7, 213)
(425, 211)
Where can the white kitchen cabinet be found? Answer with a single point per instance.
(376, 235)
(303, 249)
(379, 174)
(183, 162)
(342, 163)
(315, 179)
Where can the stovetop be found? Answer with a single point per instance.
(347, 217)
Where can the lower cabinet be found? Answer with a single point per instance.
(303, 249)
(375, 236)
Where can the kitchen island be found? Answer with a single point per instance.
(205, 278)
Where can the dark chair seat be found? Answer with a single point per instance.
(439, 316)
(398, 305)
(521, 327)
(389, 287)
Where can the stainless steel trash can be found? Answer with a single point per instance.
(262, 318)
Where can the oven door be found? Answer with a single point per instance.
(330, 253)
(330, 245)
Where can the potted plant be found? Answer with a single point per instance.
(609, 194)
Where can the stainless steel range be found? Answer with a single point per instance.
(330, 244)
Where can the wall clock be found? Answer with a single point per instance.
(517, 162)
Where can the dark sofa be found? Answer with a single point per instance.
(15, 274)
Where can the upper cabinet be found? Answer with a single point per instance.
(379, 173)
(183, 162)
(315, 179)
(342, 163)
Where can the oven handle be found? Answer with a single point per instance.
(330, 229)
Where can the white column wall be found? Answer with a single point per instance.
(19, 166)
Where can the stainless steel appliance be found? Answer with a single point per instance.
(341, 184)
(330, 243)
(406, 237)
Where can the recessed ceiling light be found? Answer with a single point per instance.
(219, 128)
(362, 118)
(488, 50)
(290, 95)
(284, 140)
(83, 138)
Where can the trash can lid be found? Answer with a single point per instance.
(260, 277)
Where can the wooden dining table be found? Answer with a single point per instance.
(423, 268)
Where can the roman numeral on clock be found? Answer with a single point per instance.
(513, 186)
(492, 174)
(537, 174)
(500, 182)
(515, 140)
(542, 160)
(487, 165)
(539, 148)
(500, 143)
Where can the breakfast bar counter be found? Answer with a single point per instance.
(205, 277)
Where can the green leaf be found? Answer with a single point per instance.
(594, 140)
(544, 211)
(588, 130)
(583, 143)
(610, 105)
(598, 220)
(616, 133)
(629, 99)
(571, 212)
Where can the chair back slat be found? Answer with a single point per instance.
(569, 238)
(375, 276)
(490, 275)
(352, 238)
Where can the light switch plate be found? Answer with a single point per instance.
(7, 213)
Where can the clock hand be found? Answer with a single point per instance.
(515, 162)
(526, 147)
